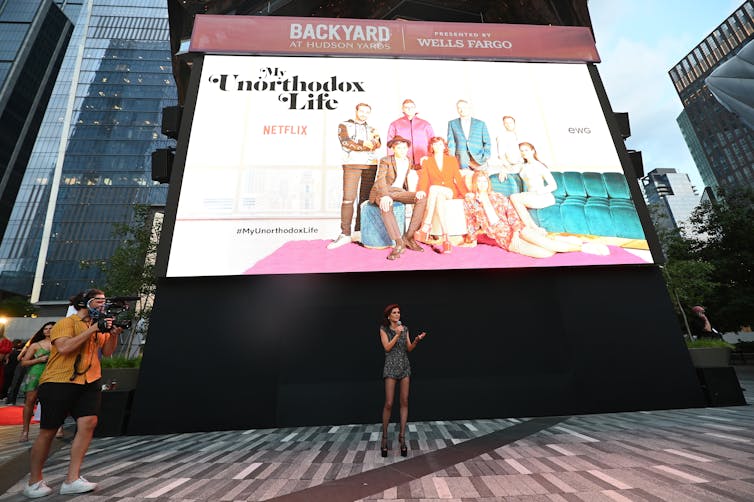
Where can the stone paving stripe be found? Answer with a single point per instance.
(680, 474)
(247, 471)
(687, 455)
(481, 487)
(560, 449)
(576, 434)
(710, 417)
(559, 483)
(556, 497)
(645, 495)
(727, 427)
(728, 436)
(441, 486)
(612, 494)
(609, 479)
(516, 465)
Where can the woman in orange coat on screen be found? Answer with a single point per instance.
(441, 180)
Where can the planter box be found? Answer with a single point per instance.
(126, 378)
(114, 414)
(710, 357)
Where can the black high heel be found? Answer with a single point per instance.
(383, 447)
(404, 448)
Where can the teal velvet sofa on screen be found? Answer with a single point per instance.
(585, 203)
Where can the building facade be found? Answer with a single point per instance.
(92, 159)
(697, 151)
(670, 196)
(34, 35)
(719, 136)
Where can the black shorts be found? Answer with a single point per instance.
(58, 400)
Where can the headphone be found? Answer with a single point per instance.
(81, 301)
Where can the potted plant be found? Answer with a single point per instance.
(709, 352)
(122, 370)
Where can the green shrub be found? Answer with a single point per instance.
(708, 343)
(120, 362)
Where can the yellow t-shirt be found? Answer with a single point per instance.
(60, 367)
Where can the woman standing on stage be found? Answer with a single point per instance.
(397, 344)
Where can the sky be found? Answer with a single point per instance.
(638, 42)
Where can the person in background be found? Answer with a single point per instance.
(539, 185)
(469, 139)
(440, 180)
(417, 131)
(9, 372)
(6, 347)
(492, 219)
(391, 185)
(35, 358)
(700, 324)
(359, 141)
(507, 146)
(18, 375)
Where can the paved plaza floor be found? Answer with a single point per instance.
(670, 455)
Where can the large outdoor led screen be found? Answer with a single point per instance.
(263, 180)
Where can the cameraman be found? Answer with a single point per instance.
(70, 384)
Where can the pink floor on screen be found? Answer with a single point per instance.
(313, 257)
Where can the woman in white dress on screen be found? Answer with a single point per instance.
(538, 186)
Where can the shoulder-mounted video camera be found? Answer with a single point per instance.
(117, 309)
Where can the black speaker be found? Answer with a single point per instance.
(171, 121)
(720, 386)
(637, 163)
(162, 164)
(623, 124)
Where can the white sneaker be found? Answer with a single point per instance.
(37, 490)
(342, 240)
(80, 485)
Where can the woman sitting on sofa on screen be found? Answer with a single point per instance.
(538, 186)
(440, 178)
(493, 220)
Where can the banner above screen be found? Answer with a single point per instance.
(355, 37)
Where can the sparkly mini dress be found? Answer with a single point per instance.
(396, 361)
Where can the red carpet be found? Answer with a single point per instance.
(313, 256)
(12, 415)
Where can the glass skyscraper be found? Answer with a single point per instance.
(697, 150)
(720, 136)
(92, 159)
(34, 35)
